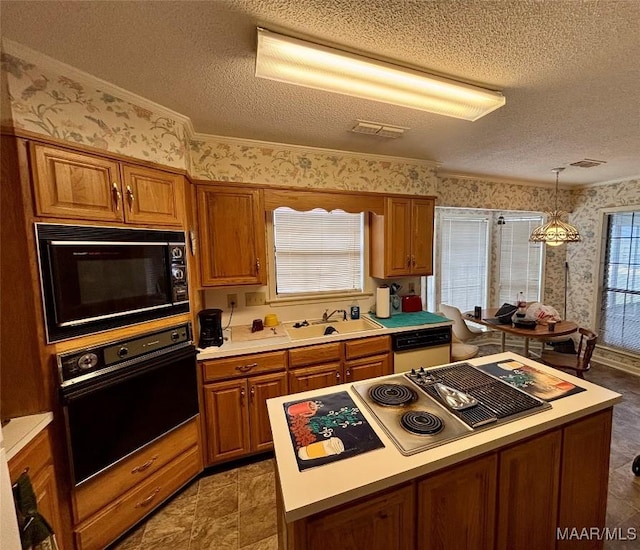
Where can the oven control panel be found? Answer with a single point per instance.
(82, 364)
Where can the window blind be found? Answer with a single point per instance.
(317, 251)
(520, 261)
(463, 262)
(620, 305)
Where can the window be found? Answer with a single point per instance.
(318, 251)
(463, 261)
(520, 260)
(620, 304)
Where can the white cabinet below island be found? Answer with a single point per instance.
(516, 485)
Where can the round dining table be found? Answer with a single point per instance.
(539, 332)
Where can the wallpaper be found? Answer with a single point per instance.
(590, 203)
(65, 108)
(228, 160)
(86, 111)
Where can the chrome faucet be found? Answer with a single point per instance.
(325, 317)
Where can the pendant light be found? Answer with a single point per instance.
(555, 231)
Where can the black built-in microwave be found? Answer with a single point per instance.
(95, 279)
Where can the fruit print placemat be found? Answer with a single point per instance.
(328, 428)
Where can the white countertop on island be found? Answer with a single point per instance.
(318, 489)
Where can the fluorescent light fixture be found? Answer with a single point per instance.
(295, 61)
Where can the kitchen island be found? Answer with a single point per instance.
(519, 484)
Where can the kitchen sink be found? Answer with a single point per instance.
(317, 329)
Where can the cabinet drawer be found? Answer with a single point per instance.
(312, 355)
(364, 347)
(103, 489)
(103, 528)
(243, 365)
(35, 456)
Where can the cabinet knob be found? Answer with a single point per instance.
(408, 261)
(258, 266)
(347, 374)
(337, 376)
(252, 392)
(413, 261)
(115, 191)
(242, 393)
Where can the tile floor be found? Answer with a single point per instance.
(234, 508)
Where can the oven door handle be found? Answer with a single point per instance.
(83, 389)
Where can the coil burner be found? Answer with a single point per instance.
(392, 395)
(421, 423)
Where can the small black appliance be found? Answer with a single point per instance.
(210, 328)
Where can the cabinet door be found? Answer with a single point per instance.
(384, 522)
(422, 236)
(152, 196)
(585, 477)
(262, 388)
(457, 507)
(232, 236)
(227, 419)
(368, 367)
(528, 493)
(75, 186)
(397, 237)
(314, 378)
(37, 459)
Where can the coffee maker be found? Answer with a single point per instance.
(210, 328)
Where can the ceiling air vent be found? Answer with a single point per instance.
(378, 129)
(588, 163)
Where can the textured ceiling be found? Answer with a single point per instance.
(570, 71)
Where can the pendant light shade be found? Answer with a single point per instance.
(555, 231)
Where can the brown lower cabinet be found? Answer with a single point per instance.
(235, 392)
(235, 389)
(237, 420)
(514, 497)
(324, 365)
(37, 460)
(109, 504)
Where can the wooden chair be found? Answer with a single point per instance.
(580, 362)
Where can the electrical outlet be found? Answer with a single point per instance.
(412, 287)
(232, 300)
(254, 298)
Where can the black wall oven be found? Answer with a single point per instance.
(119, 397)
(99, 278)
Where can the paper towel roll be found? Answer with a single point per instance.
(382, 302)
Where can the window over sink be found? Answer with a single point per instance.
(317, 252)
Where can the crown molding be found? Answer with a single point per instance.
(496, 179)
(314, 150)
(604, 183)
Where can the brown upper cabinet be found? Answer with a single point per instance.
(231, 224)
(85, 187)
(402, 238)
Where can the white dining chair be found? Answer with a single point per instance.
(462, 333)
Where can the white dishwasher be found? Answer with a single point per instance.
(426, 347)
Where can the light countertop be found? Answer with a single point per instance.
(20, 431)
(324, 487)
(229, 349)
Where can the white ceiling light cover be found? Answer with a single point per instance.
(295, 61)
